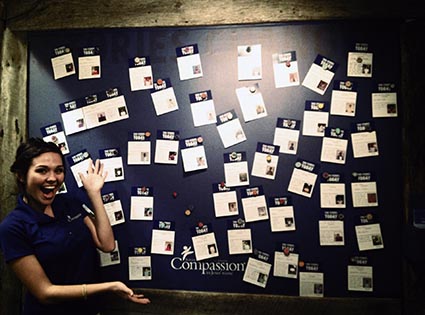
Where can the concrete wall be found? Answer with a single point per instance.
(21, 16)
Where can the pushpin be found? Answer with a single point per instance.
(222, 184)
(159, 81)
(269, 158)
(175, 194)
(320, 106)
(200, 224)
(229, 116)
(337, 131)
(187, 212)
(301, 263)
(286, 251)
(252, 89)
(200, 139)
(147, 134)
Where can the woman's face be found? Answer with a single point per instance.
(44, 178)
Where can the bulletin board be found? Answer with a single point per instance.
(347, 249)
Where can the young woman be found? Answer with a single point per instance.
(50, 241)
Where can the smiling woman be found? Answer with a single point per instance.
(50, 241)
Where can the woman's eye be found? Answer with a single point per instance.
(59, 171)
(41, 170)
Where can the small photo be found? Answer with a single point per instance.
(168, 246)
(243, 177)
(372, 147)
(118, 215)
(101, 117)
(307, 187)
(321, 127)
(148, 212)
(270, 170)
(322, 85)
(172, 155)
(292, 145)
(118, 172)
(232, 206)
(212, 249)
(339, 199)
(246, 244)
(262, 211)
(376, 240)
(289, 221)
(69, 67)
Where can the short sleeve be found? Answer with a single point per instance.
(14, 242)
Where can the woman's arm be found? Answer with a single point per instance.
(32, 275)
(99, 226)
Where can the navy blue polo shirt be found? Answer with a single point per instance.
(63, 245)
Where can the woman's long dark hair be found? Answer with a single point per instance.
(26, 152)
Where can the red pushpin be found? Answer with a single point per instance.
(175, 194)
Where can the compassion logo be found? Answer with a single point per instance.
(221, 267)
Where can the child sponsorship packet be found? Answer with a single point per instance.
(54, 133)
(331, 229)
(334, 146)
(193, 154)
(113, 208)
(344, 98)
(140, 73)
(364, 139)
(311, 280)
(332, 191)
(89, 63)
(249, 62)
(203, 108)
(110, 258)
(251, 102)
(163, 237)
(167, 147)
(285, 261)
(360, 61)
(62, 62)
(139, 263)
(320, 74)
(285, 69)
(266, 159)
(368, 233)
(359, 274)
(225, 200)
(139, 148)
(303, 178)
(93, 111)
(315, 118)
(204, 242)
(287, 134)
(239, 237)
(236, 169)
(141, 203)
(384, 101)
(112, 164)
(79, 163)
(258, 268)
(282, 217)
(163, 97)
(364, 189)
(254, 204)
(189, 62)
(230, 129)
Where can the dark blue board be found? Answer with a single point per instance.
(218, 50)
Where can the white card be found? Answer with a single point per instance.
(332, 195)
(257, 272)
(139, 268)
(203, 108)
(249, 62)
(360, 278)
(311, 284)
(240, 241)
(286, 135)
(384, 105)
(302, 180)
(285, 69)
(225, 203)
(230, 129)
(282, 218)
(89, 64)
(140, 73)
(163, 97)
(320, 74)
(369, 236)
(360, 64)
(109, 259)
(331, 233)
(162, 242)
(63, 63)
(251, 102)
(285, 266)
(205, 246)
(365, 144)
(254, 204)
(344, 98)
(266, 159)
(189, 62)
